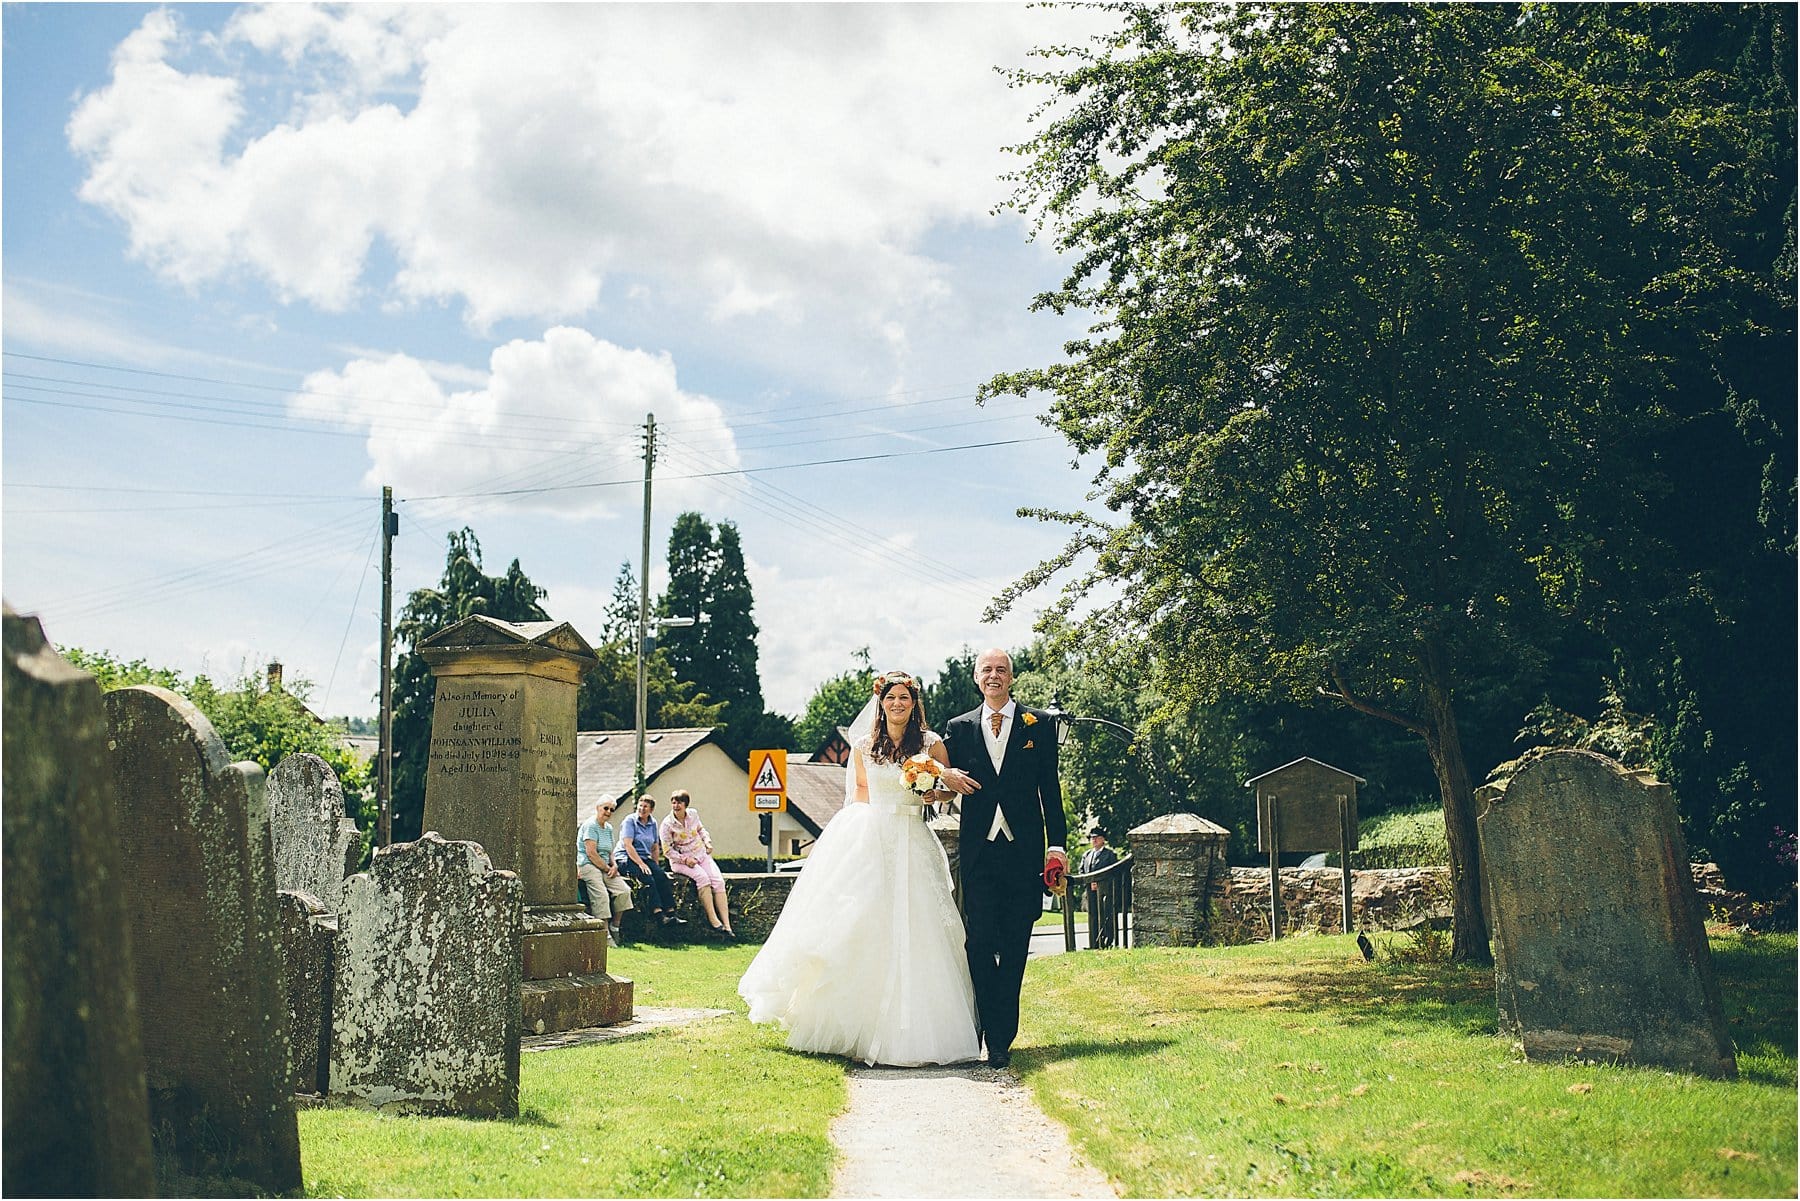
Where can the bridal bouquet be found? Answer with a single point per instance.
(922, 773)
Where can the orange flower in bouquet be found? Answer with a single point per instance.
(922, 773)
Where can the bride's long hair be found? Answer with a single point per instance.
(912, 739)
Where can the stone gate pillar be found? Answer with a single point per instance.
(1174, 859)
(501, 773)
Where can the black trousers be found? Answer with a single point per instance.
(662, 893)
(1002, 898)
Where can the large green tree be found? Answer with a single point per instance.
(463, 591)
(1385, 300)
(708, 581)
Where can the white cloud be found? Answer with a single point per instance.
(551, 421)
(812, 624)
(777, 167)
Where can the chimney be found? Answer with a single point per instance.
(274, 676)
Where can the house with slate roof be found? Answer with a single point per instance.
(691, 759)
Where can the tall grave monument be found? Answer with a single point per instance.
(501, 773)
(1599, 947)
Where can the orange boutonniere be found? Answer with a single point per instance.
(1028, 718)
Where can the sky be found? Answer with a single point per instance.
(261, 261)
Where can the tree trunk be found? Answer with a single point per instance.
(1444, 744)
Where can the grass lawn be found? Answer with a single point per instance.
(1294, 1069)
(719, 1108)
(1300, 1070)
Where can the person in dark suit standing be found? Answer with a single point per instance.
(1003, 762)
(1099, 899)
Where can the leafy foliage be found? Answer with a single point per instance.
(708, 582)
(253, 720)
(834, 703)
(464, 590)
(1382, 371)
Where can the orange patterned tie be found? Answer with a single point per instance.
(994, 720)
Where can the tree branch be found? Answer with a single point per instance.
(1345, 696)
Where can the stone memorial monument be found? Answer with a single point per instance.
(77, 1122)
(207, 955)
(1304, 806)
(316, 846)
(425, 1015)
(1599, 947)
(501, 772)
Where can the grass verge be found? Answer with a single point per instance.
(718, 1108)
(1300, 1070)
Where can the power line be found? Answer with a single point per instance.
(895, 454)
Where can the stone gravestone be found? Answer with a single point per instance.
(308, 943)
(316, 846)
(425, 1015)
(76, 1117)
(207, 957)
(501, 772)
(1599, 947)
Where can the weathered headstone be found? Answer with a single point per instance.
(207, 954)
(1174, 859)
(425, 1012)
(501, 773)
(77, 1122)
(315, 844)
(1599, 947)
(308, 943)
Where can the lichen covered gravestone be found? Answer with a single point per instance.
(1599, 947)
(207, 957)
(76, 1117)
(425, 1012)
(315, 844)
(308, 945)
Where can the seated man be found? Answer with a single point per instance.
(608, 892)
(639, 854)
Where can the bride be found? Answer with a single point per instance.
(867, 959)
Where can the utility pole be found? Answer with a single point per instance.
(384, 770)
(643, 623)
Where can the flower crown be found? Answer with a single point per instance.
(895, 677)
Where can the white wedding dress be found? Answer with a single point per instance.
(867, 959)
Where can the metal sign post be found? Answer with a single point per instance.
(768, 791)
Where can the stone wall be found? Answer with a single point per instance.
(755, 898)
(1312, 899)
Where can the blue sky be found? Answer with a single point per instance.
(260, 261)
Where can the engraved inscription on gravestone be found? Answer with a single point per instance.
(1599, 946)
(502, 763)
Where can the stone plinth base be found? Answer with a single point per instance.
(565, 982)
(575, 1002)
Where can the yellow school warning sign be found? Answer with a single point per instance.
(768, 781)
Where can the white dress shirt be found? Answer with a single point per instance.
(996, 749)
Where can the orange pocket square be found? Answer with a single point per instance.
(1029, 744)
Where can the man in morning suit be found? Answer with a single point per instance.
(1003, 762)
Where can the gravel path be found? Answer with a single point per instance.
(953, 1132)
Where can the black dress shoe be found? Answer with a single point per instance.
(999, 1059)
